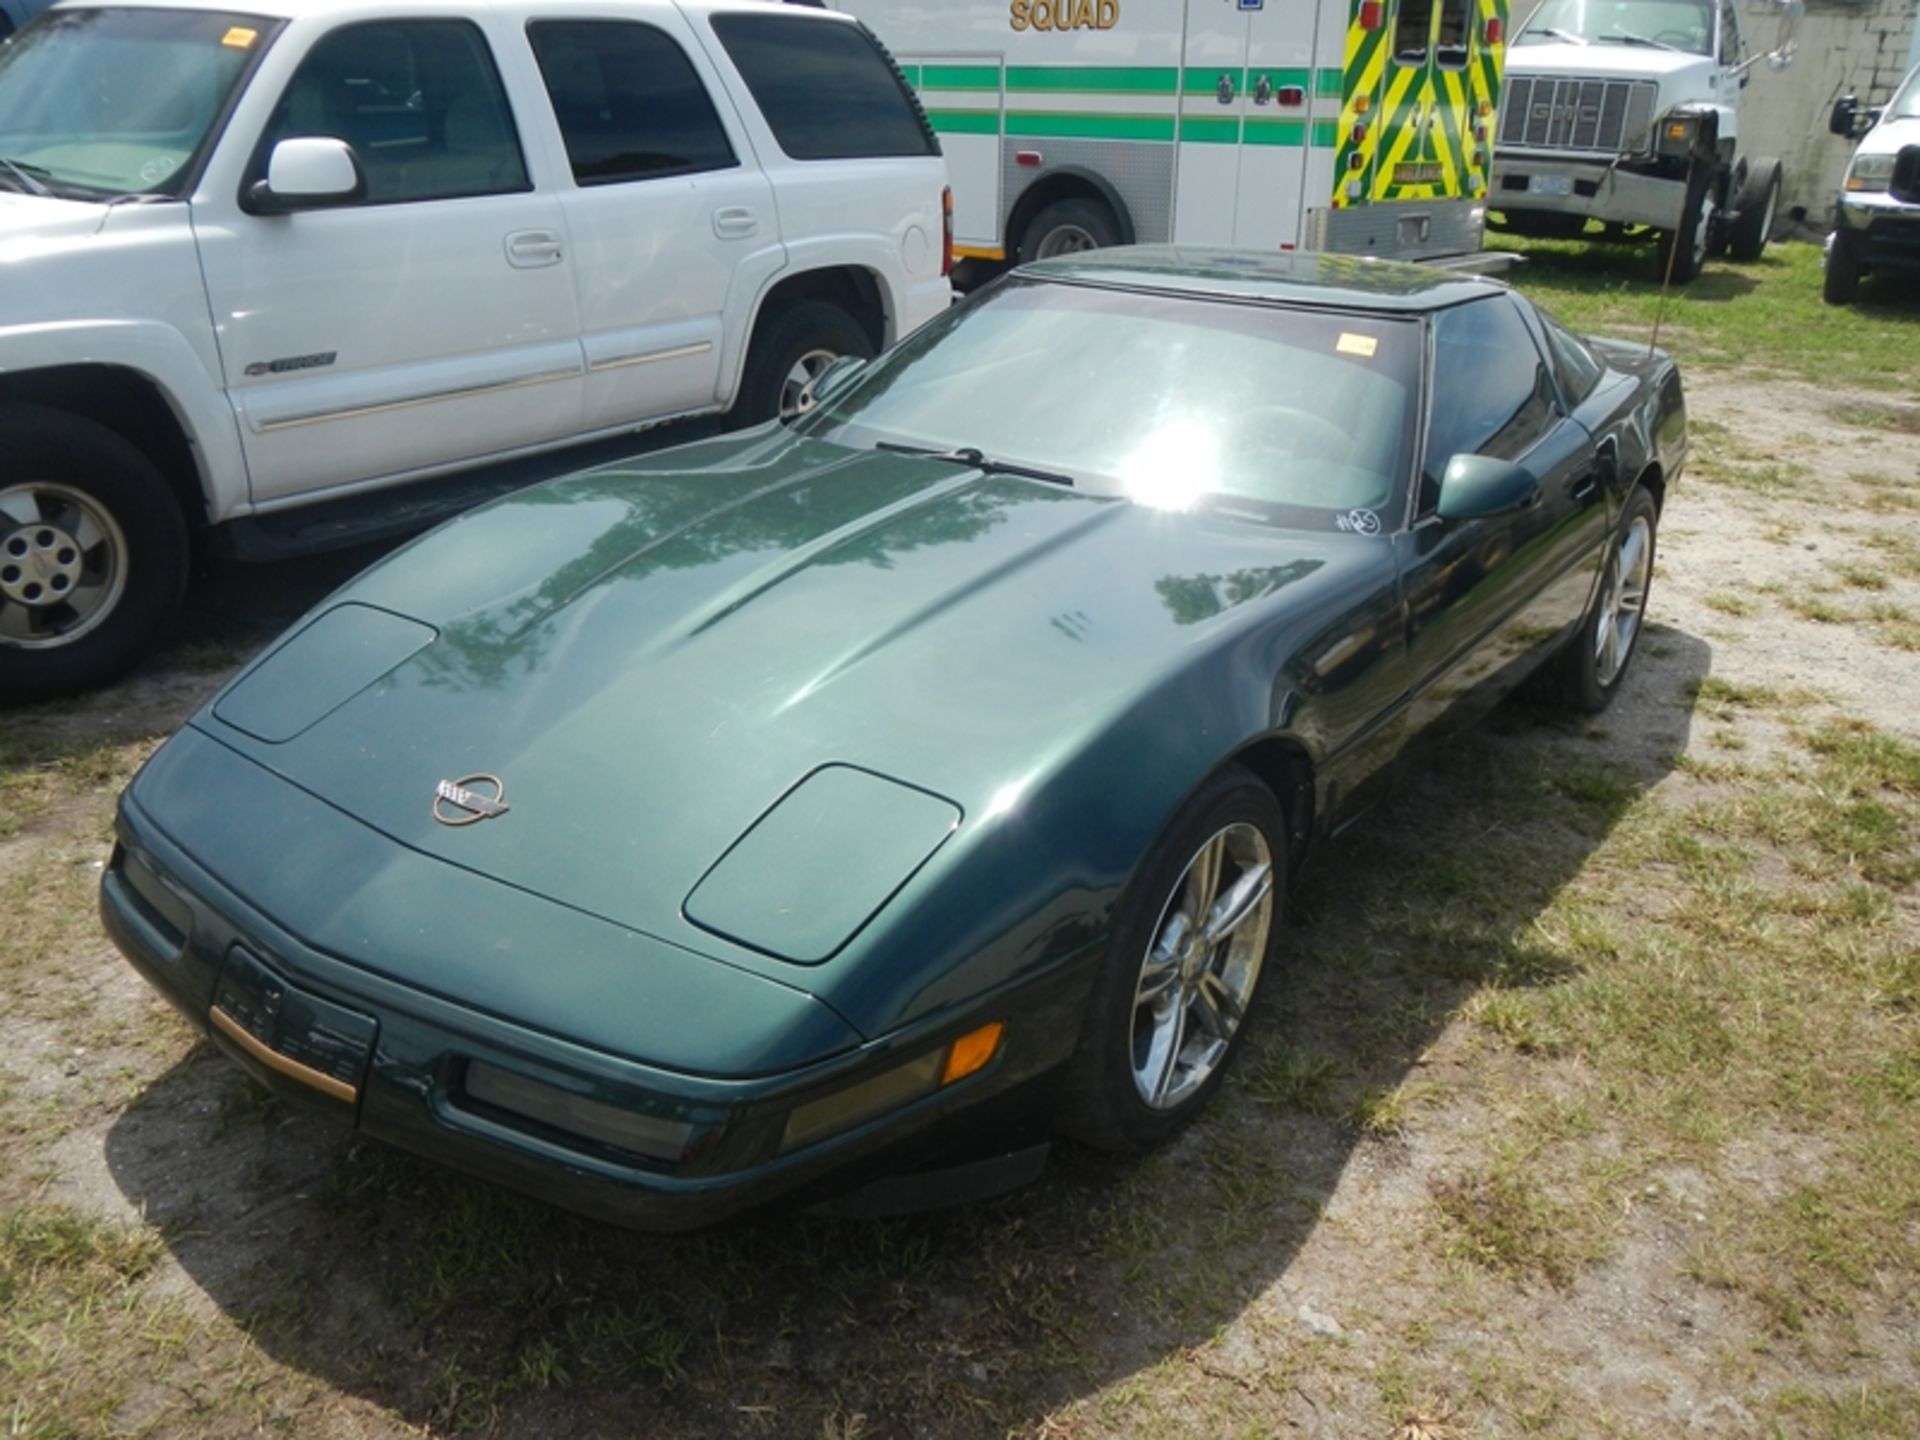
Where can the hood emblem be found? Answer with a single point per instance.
(457, 802)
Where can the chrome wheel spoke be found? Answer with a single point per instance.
(1216, 1007)
(1157, 977)
(1163, 1054)
(1230, 912)
(1203, 877)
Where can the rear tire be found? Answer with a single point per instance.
(1068, 227)
(789, 350)
(1152, 1052)
(1841, 285)
(93, 553)
(1759, 198)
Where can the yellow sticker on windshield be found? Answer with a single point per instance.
(239, 37)
(1361, 345)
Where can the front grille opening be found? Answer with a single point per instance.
(1595, 116)
(575, 1121)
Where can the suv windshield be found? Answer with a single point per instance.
(101, 103)
(1671, 24)
(1278, 415)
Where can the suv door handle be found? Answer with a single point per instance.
(530, 249)
(735, 222)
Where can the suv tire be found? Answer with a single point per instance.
(93, 553)
(792, 347)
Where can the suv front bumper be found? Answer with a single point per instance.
(1882, 232)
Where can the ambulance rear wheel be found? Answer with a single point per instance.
(1068, 227)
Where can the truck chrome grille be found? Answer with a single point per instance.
(1599, 116)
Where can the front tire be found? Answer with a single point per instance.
(1682, 252)
(93, 553)
(1589, 672)
(1841, 285)
(1759, 199)
(790, 350)
(1194, 932)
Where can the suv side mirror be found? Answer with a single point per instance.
(1475, 487)
(830, 382)
(1840, 122)
(310, 172)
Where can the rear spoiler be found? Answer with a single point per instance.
(1478, 262)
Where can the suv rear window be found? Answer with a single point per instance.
(827, 89)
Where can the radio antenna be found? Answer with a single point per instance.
(1673, 256)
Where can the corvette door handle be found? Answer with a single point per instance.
(529, 249)
(1583, 487)
(735, 222)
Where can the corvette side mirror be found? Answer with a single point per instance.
(1475, 487)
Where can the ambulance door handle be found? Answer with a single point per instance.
(1224, 90)
(1263, 92)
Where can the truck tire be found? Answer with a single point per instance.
(1842, 283)
(93, 553)
(1759, 198)
(791, 347)
(1682, 252)
(1067, 227)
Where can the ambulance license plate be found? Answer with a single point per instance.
(1561, 185)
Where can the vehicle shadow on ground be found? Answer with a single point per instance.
(457, 1306)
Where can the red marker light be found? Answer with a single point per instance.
(1496, 31)
(1291, 95)
(1028, 158)
(1359, 132)
(1370, 12)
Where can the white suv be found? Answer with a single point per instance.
(310, 252)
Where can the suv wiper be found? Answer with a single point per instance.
(27, 175)
(1557, 33)
(976, 460)
(1626, 39)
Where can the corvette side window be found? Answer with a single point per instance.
(1578, 367)
(1492, 394)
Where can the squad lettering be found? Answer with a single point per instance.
(1064, 14)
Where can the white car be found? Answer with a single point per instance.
(306, 253)
(1876, 224)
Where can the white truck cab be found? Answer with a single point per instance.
(1876, 222)
(1627, 112)
(286, 260)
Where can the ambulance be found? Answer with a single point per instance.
(1361, 126)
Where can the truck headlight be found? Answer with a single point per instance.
(1676, 134)
(1870, 172)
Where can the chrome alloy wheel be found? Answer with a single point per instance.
(796, 391)
(1066, 240)
(63, 564)
(1199, 974)
(1624, 601)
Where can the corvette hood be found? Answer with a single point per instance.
(649, 657)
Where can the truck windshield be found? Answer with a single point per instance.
(1661, 24)
(101, 103)
(1906, 105)
(1282, 416)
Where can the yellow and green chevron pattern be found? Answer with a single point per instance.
(1417, 131)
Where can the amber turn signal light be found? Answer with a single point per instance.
(972, 1051)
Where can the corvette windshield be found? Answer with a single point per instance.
(1668, 24)
(1279, 415)
(99, 103)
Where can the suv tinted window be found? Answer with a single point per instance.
(420, 103)
(828, 91)
(1491, 391)
(628, 100)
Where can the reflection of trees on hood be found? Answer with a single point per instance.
(1193, 598)
(868, 512)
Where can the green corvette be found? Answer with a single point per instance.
(839, 800)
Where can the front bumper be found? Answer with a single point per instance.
(393, 1061)
(1882, 232)
(1594, 189)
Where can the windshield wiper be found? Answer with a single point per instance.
(1557, 33)
(976, 460)
(1626, 39)
(27, 175)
